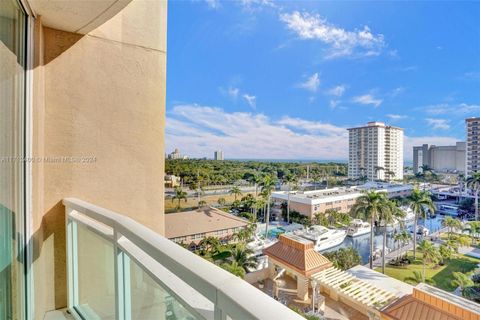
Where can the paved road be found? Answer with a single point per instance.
(395, 253)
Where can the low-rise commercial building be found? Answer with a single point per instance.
(341, 199)
(191, 227)
(440, 158)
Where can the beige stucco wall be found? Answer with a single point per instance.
(98, 95)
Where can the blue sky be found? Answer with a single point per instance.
(283, 80)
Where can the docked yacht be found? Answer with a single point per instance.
(423, 231)
(258, 244)
(391, 227)
(409, 216)
(358, 227)
(324, 238)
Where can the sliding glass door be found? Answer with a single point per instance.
(12, 102)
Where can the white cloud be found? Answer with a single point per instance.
(251, 100)
(311, 83)
(368, 99)
(341, 42)
(441, 124)
(312, 126)
(337, 91)
(395, 92)
(197, 130)
(214, 4)
(233, 92)
(397, 116)
(460, 109)
(334, 103)
(253, 5)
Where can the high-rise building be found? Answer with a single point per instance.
(175, 155)
(218, 155)
(376, 152)
(440, 158)
(473, 145)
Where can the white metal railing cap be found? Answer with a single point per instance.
(230, 293)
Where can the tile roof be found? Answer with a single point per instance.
(203, 220)
(427, 303)
(299, 254)
(408, 308)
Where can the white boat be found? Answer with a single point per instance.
(262, 263)
(391, 227)
(409, 216)
(358, 227)
(258, 244)
(423, 231)
(323, 238)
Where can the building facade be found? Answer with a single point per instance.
(473, 145)
(310, 203)
(218, 155)
(375, 152)
(440, 158)
(175, 155)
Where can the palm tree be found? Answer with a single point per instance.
(461, 280)
(234, 268)
(179, 195)
(289, 178)
(236, 192)
(401, 238)
(473, 182)
(451, 224)
(256, 179)
(425, 169)
(430, 254)
(461, 182)
(371, 205)
(243, 256)
(390, 174)
(420, 202)
(388, 217)
(378, 168)
(362, 177)
(268, 185)
(418, 278)
(209, 245)
(221, 201)
(474, 230)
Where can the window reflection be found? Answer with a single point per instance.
(12, 43)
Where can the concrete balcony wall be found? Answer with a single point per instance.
(100, 94)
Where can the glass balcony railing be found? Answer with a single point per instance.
(119, 269)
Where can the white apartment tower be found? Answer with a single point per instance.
(375, 151)
(473, 145)
(218, 155)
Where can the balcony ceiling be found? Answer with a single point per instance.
(76, 16)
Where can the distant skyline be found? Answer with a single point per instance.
(283, 80)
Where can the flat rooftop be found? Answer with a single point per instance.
(381, 281)
(342, 193)
(203, 220)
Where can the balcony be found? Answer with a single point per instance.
(119, 269)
